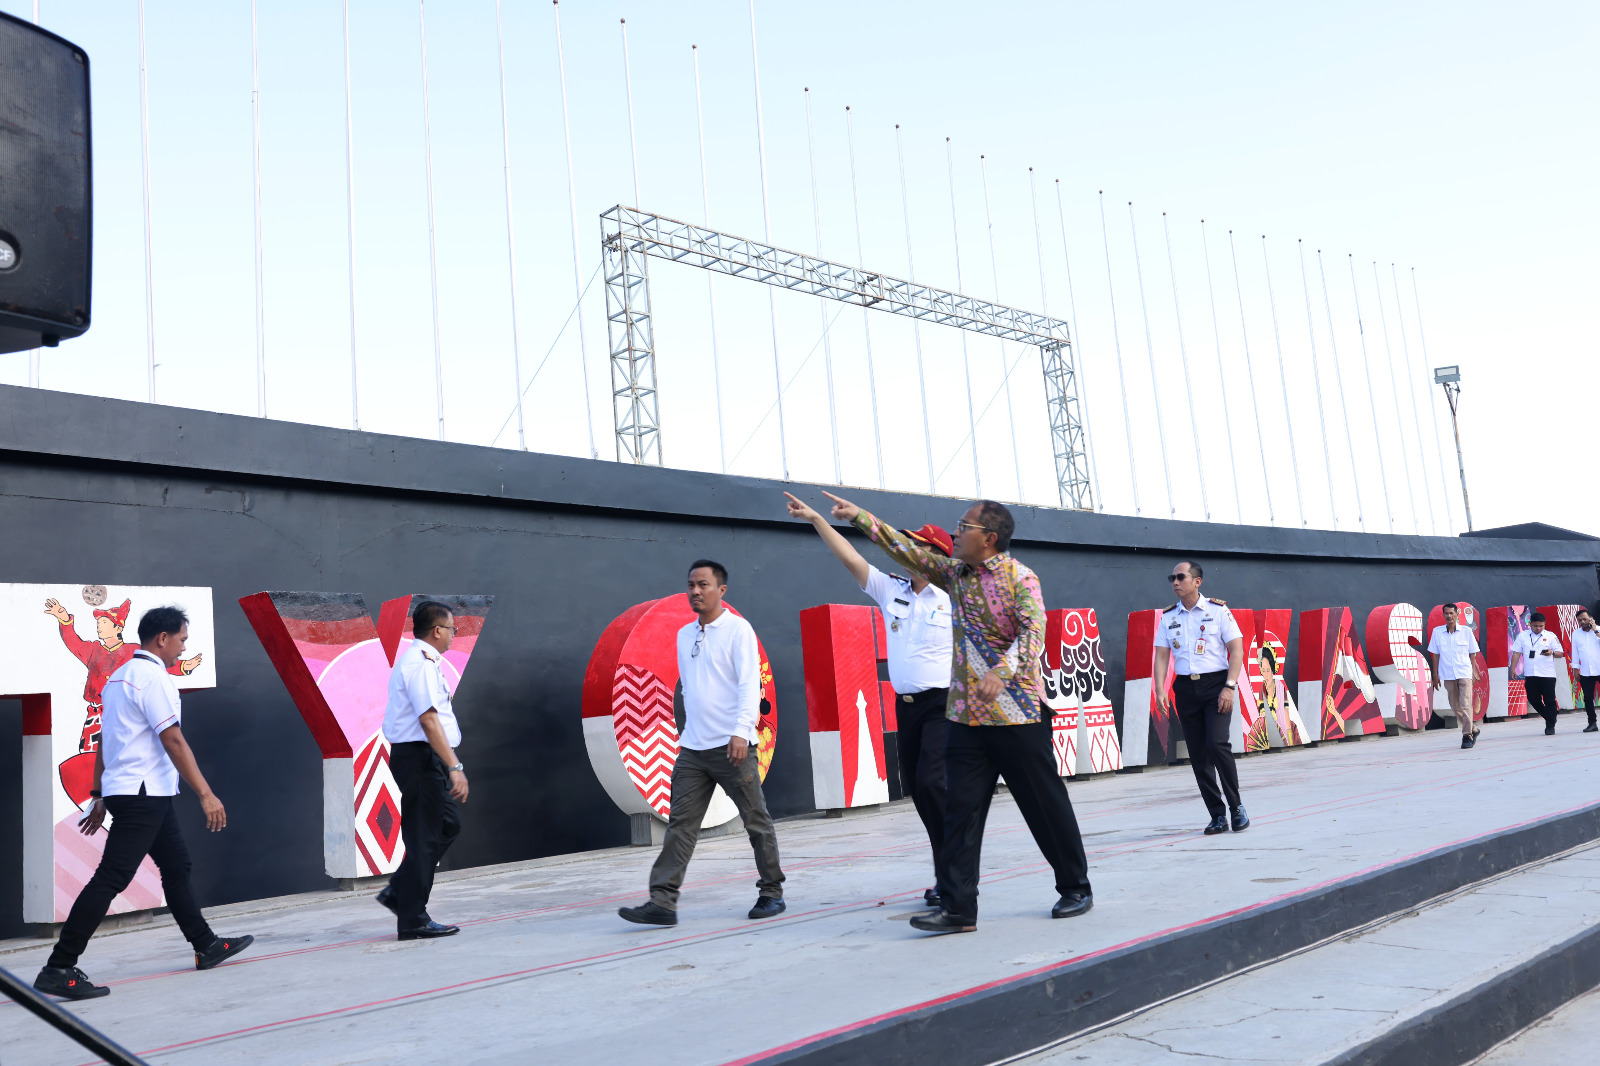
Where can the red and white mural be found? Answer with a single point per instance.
(1150, 736)
(1508, 695)
(1394, 643)
(1561, 620)
(1268, 717)
(73, 637)
(335, 663)
(1334, 675)
(628, 722)
(1466, 615)
(1084, 727)
(848, 707)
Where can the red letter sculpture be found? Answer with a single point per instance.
(842, 646)
(1084, 727)
(1149, 735)
(1334, 677)
(1467, 616)
(1394, 635)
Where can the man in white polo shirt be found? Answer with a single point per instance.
(1538, 656)
(719, 663)
(917, 623)
(1450, 657)
(420, 724)
(1586, 660)
(142, 754)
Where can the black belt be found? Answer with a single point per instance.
(1205, 676)
(910, 697)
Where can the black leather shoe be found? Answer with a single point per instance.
(1073, 904)
(1238, 819)
(1591, 728)
(1549, 730)
(1219, 824)
(221, 950)
(385, 898)
(931, 897)
(651, 913)
(943, 921)
(68, 982)
(768, 907)
(429, 930)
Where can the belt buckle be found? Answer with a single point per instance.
(905, 697)
(1194, 677)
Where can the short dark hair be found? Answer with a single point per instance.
(996, 518)
(1449, 607)
(1537, 616)
(1585, 610)
(712, 565)
(159, 620)
(1194, 567)
(428, 614)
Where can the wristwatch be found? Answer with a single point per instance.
(456, 767)
(1231, 683)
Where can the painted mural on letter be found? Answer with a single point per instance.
(842, 646)
(1084, 726)
(1394, 637)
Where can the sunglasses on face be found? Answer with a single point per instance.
(1177, 577)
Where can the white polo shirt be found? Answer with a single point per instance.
(139, 702)
(416, 684)
(720, 665)
(1535, 664)
(1455, 652)
(1197, 636)
(1586, 651)
(918, 628)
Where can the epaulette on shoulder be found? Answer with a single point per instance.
(901, 578)
(1219, 603)
(1169, 610)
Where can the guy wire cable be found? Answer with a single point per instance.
(1216, 334)
(1338, 375)
(1394, 392)
(1183, 355)
(1155, 378)
(1283, 381)
(1116, 342)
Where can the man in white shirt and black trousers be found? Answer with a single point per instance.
(719, 663)
(1586, 660)
(917, 622)
(1539, 654)
(420, 724)
(142, 754)
(1199, 638)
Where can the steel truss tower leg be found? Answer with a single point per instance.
(633, 355)
(1066, 427)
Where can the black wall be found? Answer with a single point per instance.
(101, 491)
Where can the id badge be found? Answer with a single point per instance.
(1200, 646)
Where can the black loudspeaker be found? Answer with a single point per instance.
(45, 212)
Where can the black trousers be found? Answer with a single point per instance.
(140, 825)
(1542, 697)
(429, 823)
(923, 729)
(1205, 731)
(1587, 683)
(975, 758)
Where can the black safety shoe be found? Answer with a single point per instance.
(68, 982)
(428, 930)
(1219, 824)
(1073, 904)
(944, 922)
(768, 907)
(221, 950)
(1238, 819)
(651, 913)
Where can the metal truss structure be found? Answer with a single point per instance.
(630, 236)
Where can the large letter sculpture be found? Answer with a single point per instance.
(1466, 616)
(1267, 717)
(628, 722)
(1334, 676)
(1508, 693)
(70, 639)
(842, 646)
(1150, 736)
(335, 664)
(1561, 620)
(1084, 727)
(1394, 635)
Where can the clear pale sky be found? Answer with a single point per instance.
(1456, 139)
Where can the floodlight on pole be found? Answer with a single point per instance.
(1449, 379)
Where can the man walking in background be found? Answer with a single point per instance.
(142, 754)
(1537, 654)
(719, 662)
(1450, 658)
(997, 728)
(1586, 660)
(917, 623)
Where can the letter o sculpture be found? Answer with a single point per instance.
(628, 725)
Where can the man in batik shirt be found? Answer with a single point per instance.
(997, 728)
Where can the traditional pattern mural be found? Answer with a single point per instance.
(1334, 675)
(629, 726)
(1394, 637)
(842, 647)
(1561, 620)
(1508, 695)
(335, 663)
(1150, 736)
(58, 671)
(1466, 615)
(1084, 726)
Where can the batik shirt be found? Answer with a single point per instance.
(999, 626)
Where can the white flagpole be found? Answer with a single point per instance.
(1394, 388)
(261, 324)
(1083, 368)
(1283, 381)
(822, 304)
(916, 325)
(511, 233)
(1438, 441)
(1183, 356)
(577, 260)
(766, 225)
(1116, 342)
(866, 320)
(1344, 404)
(350, 218)
(144, 148)
(966, 367)
(1366, 362)
(1316, 374)
(433, 259)
(1416, 412)
(1216, 334)
(711, 292)
(1005, 365)
(1155, 378)
(1250, 371)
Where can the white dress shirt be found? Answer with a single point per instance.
(139, 702)
(720, 665)
(1533, 663)
(417, 685)
(917, 625)
(1197, 636)
(1455, 652)
(1586, 651)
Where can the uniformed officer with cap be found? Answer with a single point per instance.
(1200, 639)
(918, 628)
